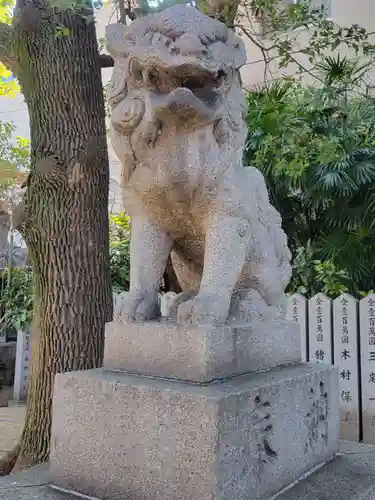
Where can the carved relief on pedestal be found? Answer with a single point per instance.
(317, 417)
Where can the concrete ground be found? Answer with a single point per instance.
(11, 423)
(349, 476)
(31, 484)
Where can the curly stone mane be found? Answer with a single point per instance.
(157, 54)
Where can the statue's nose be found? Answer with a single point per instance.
(181, 104)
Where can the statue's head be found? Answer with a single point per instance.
(173, 68)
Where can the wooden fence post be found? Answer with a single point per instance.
(297, 312)
(320, 329)
(367, 337)
(21, 376)
(346, 352)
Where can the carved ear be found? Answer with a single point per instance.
(115, 39)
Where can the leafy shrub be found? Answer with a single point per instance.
(311, 276)
(119, 252)
(16, 301)
(316, 148)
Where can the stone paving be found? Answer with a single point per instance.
(349, 476)
(11, 422)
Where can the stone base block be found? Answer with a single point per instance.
(201, 354)
(125, 437)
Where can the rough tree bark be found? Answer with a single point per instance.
(64, 217)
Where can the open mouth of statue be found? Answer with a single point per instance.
(197, 96)
(204, 85)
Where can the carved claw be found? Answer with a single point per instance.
(138, 306)
(202, 310)
(175, 302)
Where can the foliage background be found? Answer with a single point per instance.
(316, 148)
(16, 303)
(119, 251)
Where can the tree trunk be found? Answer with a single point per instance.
(64, 218)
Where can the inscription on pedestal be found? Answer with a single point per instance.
(317, 416)
(262, 414)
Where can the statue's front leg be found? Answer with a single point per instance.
(226, 249)
(149, 250)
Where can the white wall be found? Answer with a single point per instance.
(342, 12)
(15, 110)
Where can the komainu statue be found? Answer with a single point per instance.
(178, 128)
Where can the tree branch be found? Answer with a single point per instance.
(129, 12)
(267, 59)
(6, 52)
(121, 5)
(264, 50)
(254, 40)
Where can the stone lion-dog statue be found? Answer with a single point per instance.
(178, 128)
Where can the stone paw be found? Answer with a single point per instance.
(175, 302)
(202, 310)
(138, 306)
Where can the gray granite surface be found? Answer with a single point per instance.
(349, 476)
(201, 354)
(124, 436)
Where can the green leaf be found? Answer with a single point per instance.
(62, 31)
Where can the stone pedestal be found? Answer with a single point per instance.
(200, 354)
(120, 436)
